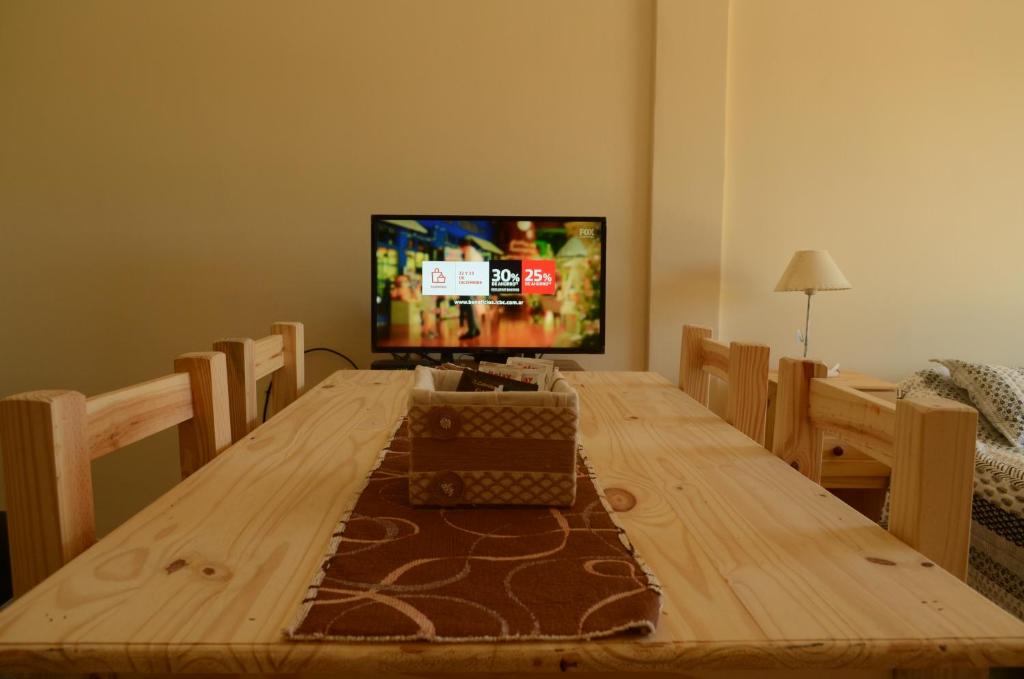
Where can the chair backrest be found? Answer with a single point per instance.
(280, 354)
(744, 367)
(49, 439)
(927, 442)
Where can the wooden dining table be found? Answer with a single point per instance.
(761, 568)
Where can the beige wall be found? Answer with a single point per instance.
(687, 173)
(173, 172)
(891, 134)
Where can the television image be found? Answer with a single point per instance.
(455, 284)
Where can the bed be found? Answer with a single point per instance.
(996, 567)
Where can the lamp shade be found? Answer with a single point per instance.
(810, 271)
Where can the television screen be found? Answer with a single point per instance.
(465, 284)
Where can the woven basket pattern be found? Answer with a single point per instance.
(496, 488)
(495, 422)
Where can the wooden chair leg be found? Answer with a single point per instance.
(241, 367)
(290, 380)
(796, 439)
(203, 437)
(49, 482)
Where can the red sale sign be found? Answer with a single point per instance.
(539, 277)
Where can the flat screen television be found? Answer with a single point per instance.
(488, 284)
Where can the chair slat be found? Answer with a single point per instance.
(122, 417)
(854, 416)
(715, 358)
(268, 355)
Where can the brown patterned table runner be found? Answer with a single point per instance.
(395, 572)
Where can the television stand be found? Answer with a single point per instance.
(410, 362)
(564, 364)
(490, 356)
(396, 363)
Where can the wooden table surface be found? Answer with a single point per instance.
(761, 567)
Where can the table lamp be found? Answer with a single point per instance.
(811, 271)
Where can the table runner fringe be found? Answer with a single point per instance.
(637, 626)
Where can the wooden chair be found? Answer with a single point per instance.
(49, 439)
(744, 367)
(927, 442)
(280, 354)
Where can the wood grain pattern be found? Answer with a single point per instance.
(761, 567)
(122, 417)
(933, 479)
(48, 482)
(692, 378)
(240, 358)
(855, 416)
(716, 358)
(747, 401)
(290, 380)
(795, 438)
(268, 355)
(203, 437)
